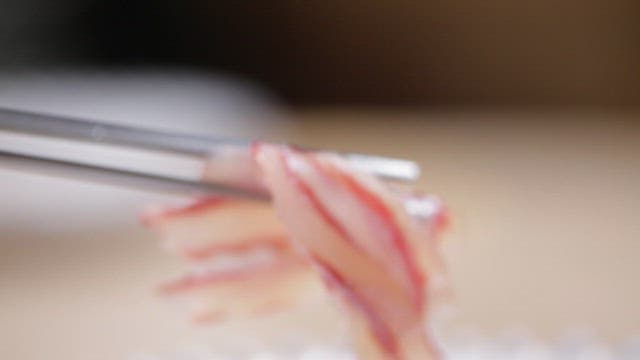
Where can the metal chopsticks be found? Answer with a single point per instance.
(97, 133)
(121, 177)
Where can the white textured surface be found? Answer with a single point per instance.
(510, 346)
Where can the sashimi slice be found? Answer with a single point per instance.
(239, 261)
(375, 247)
(217, 224)
(363, 242)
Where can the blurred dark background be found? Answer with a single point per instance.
(435, 53)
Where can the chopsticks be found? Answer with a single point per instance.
(198, 147)
(97, 132)
(121, 177)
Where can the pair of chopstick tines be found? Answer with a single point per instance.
(30, 125)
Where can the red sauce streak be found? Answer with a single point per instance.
(377, 205)
(195, 207)
(319, 207)
(335, 281)
(192, 282)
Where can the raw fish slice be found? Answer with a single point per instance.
(208, 226)
(239, 261)
(363, 242)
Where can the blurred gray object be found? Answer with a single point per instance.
(177, 101)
